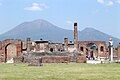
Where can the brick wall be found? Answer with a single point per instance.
(81, 59)
(55, 59)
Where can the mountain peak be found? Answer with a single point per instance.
(89, 29)
(39, 20)
(42, 23)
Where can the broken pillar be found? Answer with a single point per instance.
(66, 44)
(75, 36)
(28, 44)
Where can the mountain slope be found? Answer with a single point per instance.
(38, 29)
(93, 34)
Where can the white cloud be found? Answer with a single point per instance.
(108, 2)
(100, 1)
(36, 7)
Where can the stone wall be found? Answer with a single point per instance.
(56, 59)
(81, 59)
(49, 59)
(4, 53)
(118, 51)
(101, 47)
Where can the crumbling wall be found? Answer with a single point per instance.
(52, 59)
(101, 45)
(3, 47)
(118, 51)
(56, 59)
(81, 59)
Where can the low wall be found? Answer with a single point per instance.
(50, 59)
(55, 59)
(81, 59)
(19, 60)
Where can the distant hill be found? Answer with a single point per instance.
(93, 34)
(38, 29)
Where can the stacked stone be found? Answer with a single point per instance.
(81, 59)
(56, 59)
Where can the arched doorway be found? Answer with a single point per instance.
(92, 51)
(51, 49)
(10, 52)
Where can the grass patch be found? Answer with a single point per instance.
(72, 71)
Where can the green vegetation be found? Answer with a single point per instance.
(72, 71)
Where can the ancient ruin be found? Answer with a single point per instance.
(50, 52)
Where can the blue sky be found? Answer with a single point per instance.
(103, 15)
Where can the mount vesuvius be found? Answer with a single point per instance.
(38, 29)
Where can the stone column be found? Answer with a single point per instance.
(75, 36)
(28, 44)
(66, 44)
(111, 49)
(99, 54)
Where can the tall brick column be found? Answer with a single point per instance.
(75, 36)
